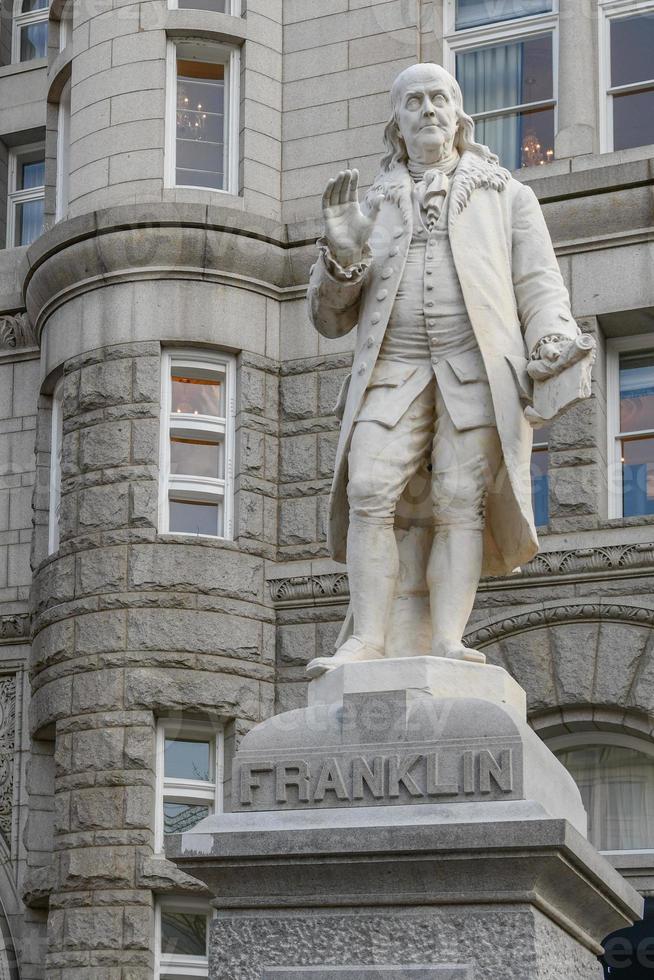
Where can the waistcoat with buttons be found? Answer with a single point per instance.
(429, 320)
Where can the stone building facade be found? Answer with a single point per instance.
(132, 646)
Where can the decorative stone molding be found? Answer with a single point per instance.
(555, 615)
(14, 627)
(16, 331)
(587, 560)
(333, 587)
(307, 589)
(7, 739)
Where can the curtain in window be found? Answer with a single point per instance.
(472, 13)
(617, 789)
(491, 78)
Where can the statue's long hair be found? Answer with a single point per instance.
(396, 151)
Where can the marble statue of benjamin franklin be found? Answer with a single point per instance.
(449, 275)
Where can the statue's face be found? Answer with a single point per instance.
(427, 117)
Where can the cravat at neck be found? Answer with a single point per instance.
(445, 166)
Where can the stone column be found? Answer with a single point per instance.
(578, 91)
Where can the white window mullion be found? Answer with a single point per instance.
(18, 195)
(62, 191)
(615, 435)
(180, 964)
(204, 53)
(610, 11)
(22, 20)
(187, 790)
(186, 419)
(521, 29)
(56, 440)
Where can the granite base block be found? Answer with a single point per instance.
(384, 833)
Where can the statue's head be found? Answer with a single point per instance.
(428, 119)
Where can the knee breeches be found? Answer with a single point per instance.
(383, 460)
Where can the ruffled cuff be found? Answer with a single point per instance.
(552, 338)
(349, 274)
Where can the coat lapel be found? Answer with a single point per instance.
(473, 172)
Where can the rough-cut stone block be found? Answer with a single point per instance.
(99, 632)
(296, 644)
(98, 690)
(574, 655)
(190, 568)
(194, 631)
(144, 503)
(299, 396)
(103, 507)
(297, 520)
(145, 441)
(139, 806)
(104, 445)
(97, 750)
(298, 458)
(101, 570)
(96, 809)
(170, 690)
(99, 928)
(98, 867)
(105, 384)
(138, 928)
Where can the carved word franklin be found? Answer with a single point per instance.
(396, 778)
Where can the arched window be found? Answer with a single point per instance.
(615, 775)
(30, 30)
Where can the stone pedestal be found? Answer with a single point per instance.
(397, 829)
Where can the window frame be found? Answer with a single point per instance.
(467, 39)
(232, 8)
(200, 487)
(610, 10)
(16, 197)
(558, 743)
(56, 444)
(540, 445)
(21, 20)
(175, 790)
(171, 964)
(230, 56)
(62, 187)
(66, 25)
(614, 348)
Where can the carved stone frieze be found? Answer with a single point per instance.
(585, 560)
(14, 627)
(554, 615)
(16, 331)
(7, 746)
(310, 589)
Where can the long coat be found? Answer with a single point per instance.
(514, 295)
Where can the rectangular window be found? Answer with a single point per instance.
(26, 195)
(63, 153)
(540, 476)
(197, 444)
(630, 396)
(474, 13)
(202, 142)
(181, 938)
(504, 58)
(627, 68)
(231, 7)
(189, 776)
(56, 439)
(30, 38)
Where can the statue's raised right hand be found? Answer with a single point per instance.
(347, 228)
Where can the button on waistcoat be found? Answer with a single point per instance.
(429, 318)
